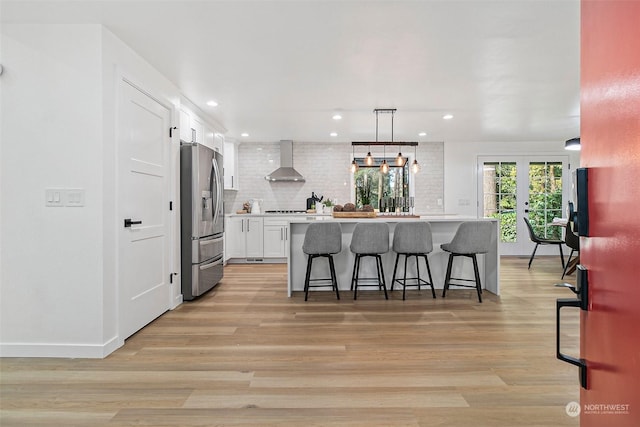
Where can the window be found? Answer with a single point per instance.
(500, 196)
(387, 193)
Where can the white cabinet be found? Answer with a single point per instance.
(218, 142)
(185, 126)
(230, 165)
(194, 129)
(235, 240)
(255, 237)
(244, 237)
(276, 235)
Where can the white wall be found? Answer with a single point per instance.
(58, 281)
(52, 278)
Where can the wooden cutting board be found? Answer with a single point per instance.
(354, 214)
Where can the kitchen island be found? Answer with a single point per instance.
(443, 228)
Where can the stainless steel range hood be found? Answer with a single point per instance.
(285, 172)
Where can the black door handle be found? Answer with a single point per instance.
(582, 291)
(579, 362)
(128, 222)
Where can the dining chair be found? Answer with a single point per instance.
(573, 241)
(542, 241)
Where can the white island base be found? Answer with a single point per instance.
(443, 229)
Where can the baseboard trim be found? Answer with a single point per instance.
(73, 351)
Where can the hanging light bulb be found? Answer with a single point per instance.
(399, 160)
(384, 167)
(369, 159)
(415, 167)
(354, 165)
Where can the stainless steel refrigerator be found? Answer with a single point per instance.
(202, 218)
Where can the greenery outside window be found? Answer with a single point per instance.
(379, 190)
(500, 197)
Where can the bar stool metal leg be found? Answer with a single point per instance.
(307, 276)
(395, 269)
(334, 280)
(447, 278)
(477, 274)
(426, 260)
(381, 278)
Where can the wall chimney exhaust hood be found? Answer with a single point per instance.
(285, 172)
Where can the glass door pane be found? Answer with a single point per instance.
(545, 198)
(500, 196)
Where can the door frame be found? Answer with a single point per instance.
(523, 246)
(174, 297)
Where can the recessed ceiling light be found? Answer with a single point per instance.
(422, 134)
(244, 134)
(333, 134)
(212, 103)
(448, 116)
(337, 117)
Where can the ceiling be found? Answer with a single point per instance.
(508, 71)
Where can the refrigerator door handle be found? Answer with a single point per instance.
(216, 172)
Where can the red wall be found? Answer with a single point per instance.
(610, 138)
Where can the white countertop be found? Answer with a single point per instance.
(275, 215)
(384, 218)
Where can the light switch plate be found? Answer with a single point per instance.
(75, 197)
(54, 197)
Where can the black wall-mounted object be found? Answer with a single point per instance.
(582, 301)
(580, 213)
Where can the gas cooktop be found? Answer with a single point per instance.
(285, 211)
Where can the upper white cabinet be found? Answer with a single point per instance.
(230, 165)
(185, 126)
(197, 126)
(194, 128)
(213, 139)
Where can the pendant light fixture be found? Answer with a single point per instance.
(399, 161)
(368, 160)
(572, 144)
(415, 167)
(384, 166)
(354, 165)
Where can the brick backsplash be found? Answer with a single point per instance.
(325, 167)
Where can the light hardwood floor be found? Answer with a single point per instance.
(246, 355)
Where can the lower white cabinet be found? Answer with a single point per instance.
(244, 237)
(256, 238)
(276, 235)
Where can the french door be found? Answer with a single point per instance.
(511, 188)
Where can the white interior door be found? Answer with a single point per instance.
(143, 196)
(512, 187)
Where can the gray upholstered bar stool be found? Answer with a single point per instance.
(471, 238)
(369, 240)
(322, 239)
(412, 239)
